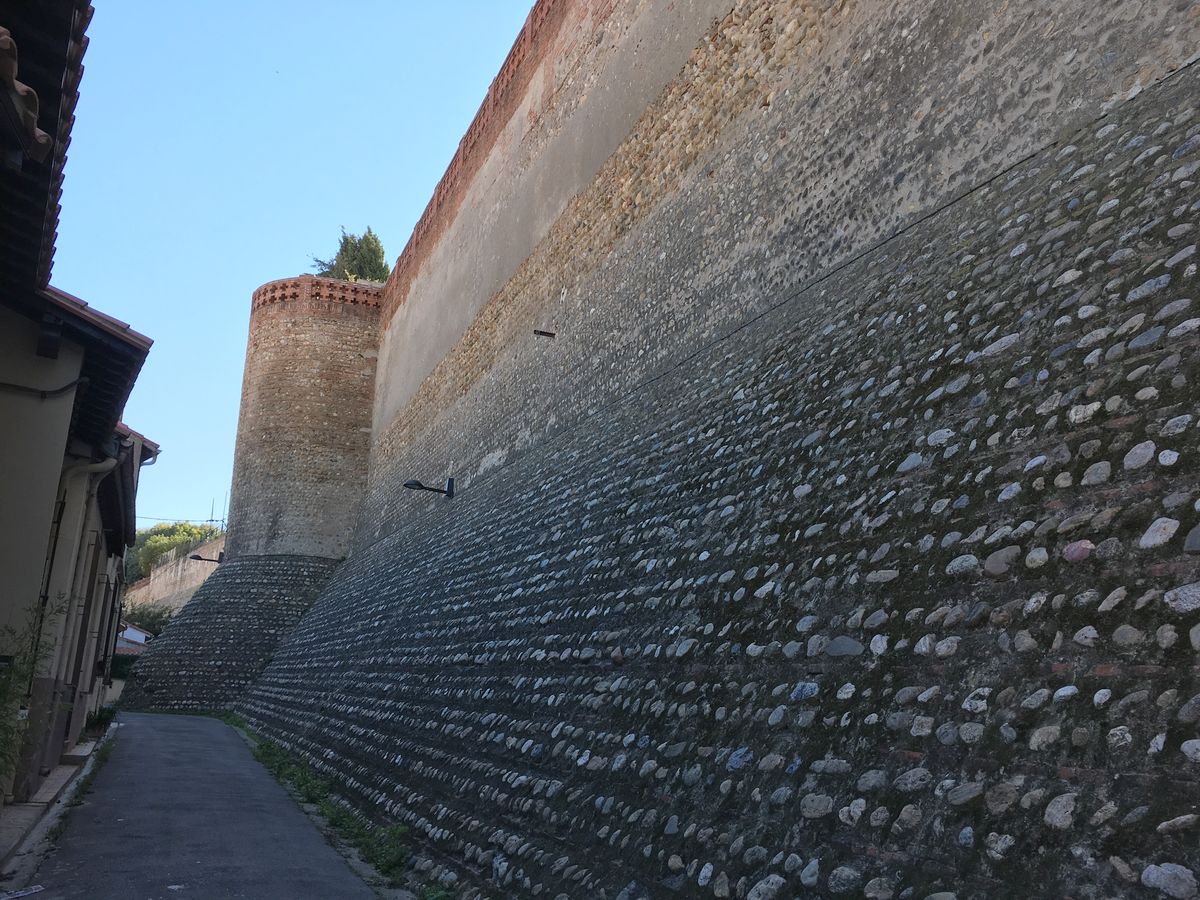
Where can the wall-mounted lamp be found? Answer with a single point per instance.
(220, 557)
(417, 486)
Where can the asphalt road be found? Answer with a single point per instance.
(182, 810)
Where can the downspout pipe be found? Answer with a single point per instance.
(69, 474)
(97, 468)
(95, 473)
(73, 513)
(118, 589)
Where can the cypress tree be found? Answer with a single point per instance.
(359, 257)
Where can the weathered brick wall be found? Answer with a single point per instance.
(217, 644)
(892, 591)
(579, 77)
(304, 429)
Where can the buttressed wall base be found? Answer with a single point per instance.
(845, 540)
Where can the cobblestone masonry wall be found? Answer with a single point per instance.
(893, 592)
(219, 642)
(819, 127)
(304, 430)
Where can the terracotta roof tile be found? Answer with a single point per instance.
(20, 102)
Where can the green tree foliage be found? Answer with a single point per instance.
(152, 617)
(359, 257)
(152, 543)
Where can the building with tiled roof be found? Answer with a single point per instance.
(68, 467)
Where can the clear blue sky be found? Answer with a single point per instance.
(221, 144)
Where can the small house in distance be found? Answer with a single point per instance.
(131, 639)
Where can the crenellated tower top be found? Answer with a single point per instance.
(311, 287)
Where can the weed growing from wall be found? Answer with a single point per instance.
(98, 721)
(21, 653)
(382, 846)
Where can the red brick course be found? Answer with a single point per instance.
(505, 94)
(310, 287)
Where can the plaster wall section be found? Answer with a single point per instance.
(795, 136)
(304, 428)
(579, 77)
(38, 429)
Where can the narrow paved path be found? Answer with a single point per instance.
(183, 810)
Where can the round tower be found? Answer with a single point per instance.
(299, 474)
(305, 425)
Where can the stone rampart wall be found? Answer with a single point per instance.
(796, 135)
(892, 590)
(173, 582)
(844, 539)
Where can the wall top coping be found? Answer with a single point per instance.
(310, 287)
(503, 97)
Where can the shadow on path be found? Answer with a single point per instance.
(182, 809)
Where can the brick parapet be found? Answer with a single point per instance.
(310, 288)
